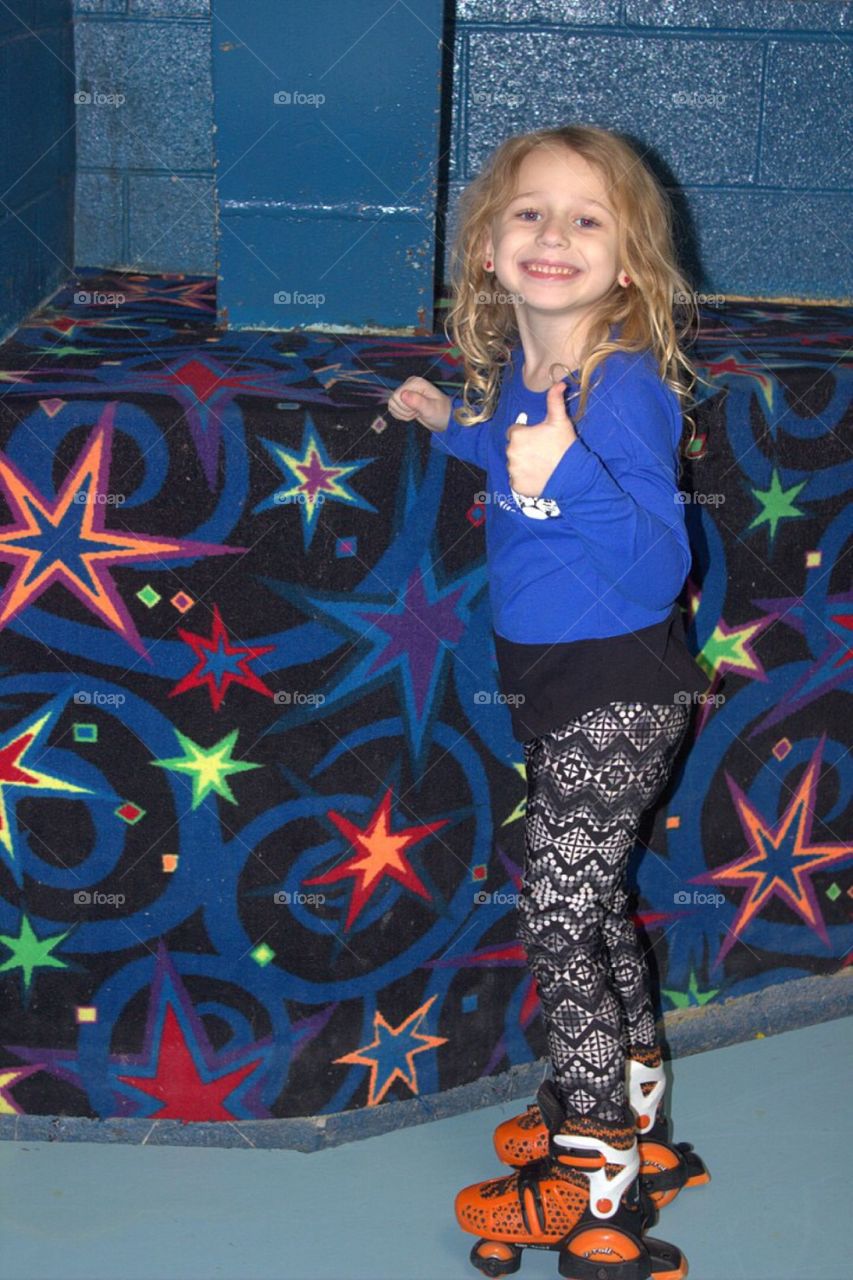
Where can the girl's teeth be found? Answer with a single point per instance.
(551, 271)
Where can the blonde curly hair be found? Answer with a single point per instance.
(656, 313)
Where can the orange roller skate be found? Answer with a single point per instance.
(581, 1199)
(665, 1167)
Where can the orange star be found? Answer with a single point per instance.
(381, 1042)
(380, 853)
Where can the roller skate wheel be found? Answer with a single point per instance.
(496, 1257)
(697, 1174)
(662, 1163)
(599, 1244)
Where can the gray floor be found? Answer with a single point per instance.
(772, 1119)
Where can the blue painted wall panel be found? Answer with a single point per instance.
(327, 146)
(38, 109)
(29, 19)
(162, 73)
(798, 246)
(678, 95)
(146, 165)
(100, 6)
(339, 271)
(577, 12)
(99, 231)
(166, 210)
(170, 8)
(744, 109)
(36, 153)
(808, 111)
(742, 15)
(147, 8)
(765, 108)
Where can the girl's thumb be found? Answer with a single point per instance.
(556, 400)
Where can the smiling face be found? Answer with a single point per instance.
(556, 242)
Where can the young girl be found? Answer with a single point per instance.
(564, 269)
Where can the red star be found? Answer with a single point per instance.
(203, 379)
(65, 324)
(220, 664)
(184, 1093)
(379, 854)
(9, 756)
(731, 365)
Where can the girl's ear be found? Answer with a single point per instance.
(485, 247)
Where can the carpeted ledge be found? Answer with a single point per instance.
(782, 1007)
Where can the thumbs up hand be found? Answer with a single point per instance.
(533, 452)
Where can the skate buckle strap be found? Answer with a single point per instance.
(530, 1196)
(605, 1194)
(644, 1106)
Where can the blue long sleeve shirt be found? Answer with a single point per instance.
(604, 549)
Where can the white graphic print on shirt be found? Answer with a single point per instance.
(535, 508)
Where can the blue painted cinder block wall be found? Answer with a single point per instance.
(36, 153)
(145, 138)
(745, 105)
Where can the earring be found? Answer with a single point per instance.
(627, 279)
(489, 265)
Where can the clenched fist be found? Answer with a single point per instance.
(417, 398)
(532, 453)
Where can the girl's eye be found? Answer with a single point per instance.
(591, 221)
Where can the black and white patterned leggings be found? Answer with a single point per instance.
(588, 784)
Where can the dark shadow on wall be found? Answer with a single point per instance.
(448, 38)
(685, 233)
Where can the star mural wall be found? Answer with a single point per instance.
(260, 842)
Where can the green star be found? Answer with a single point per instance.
(209, 768)
(726, 649)
(30, 952)
(777, 503)
(692, 996)
(719, 648)
(518, 811)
